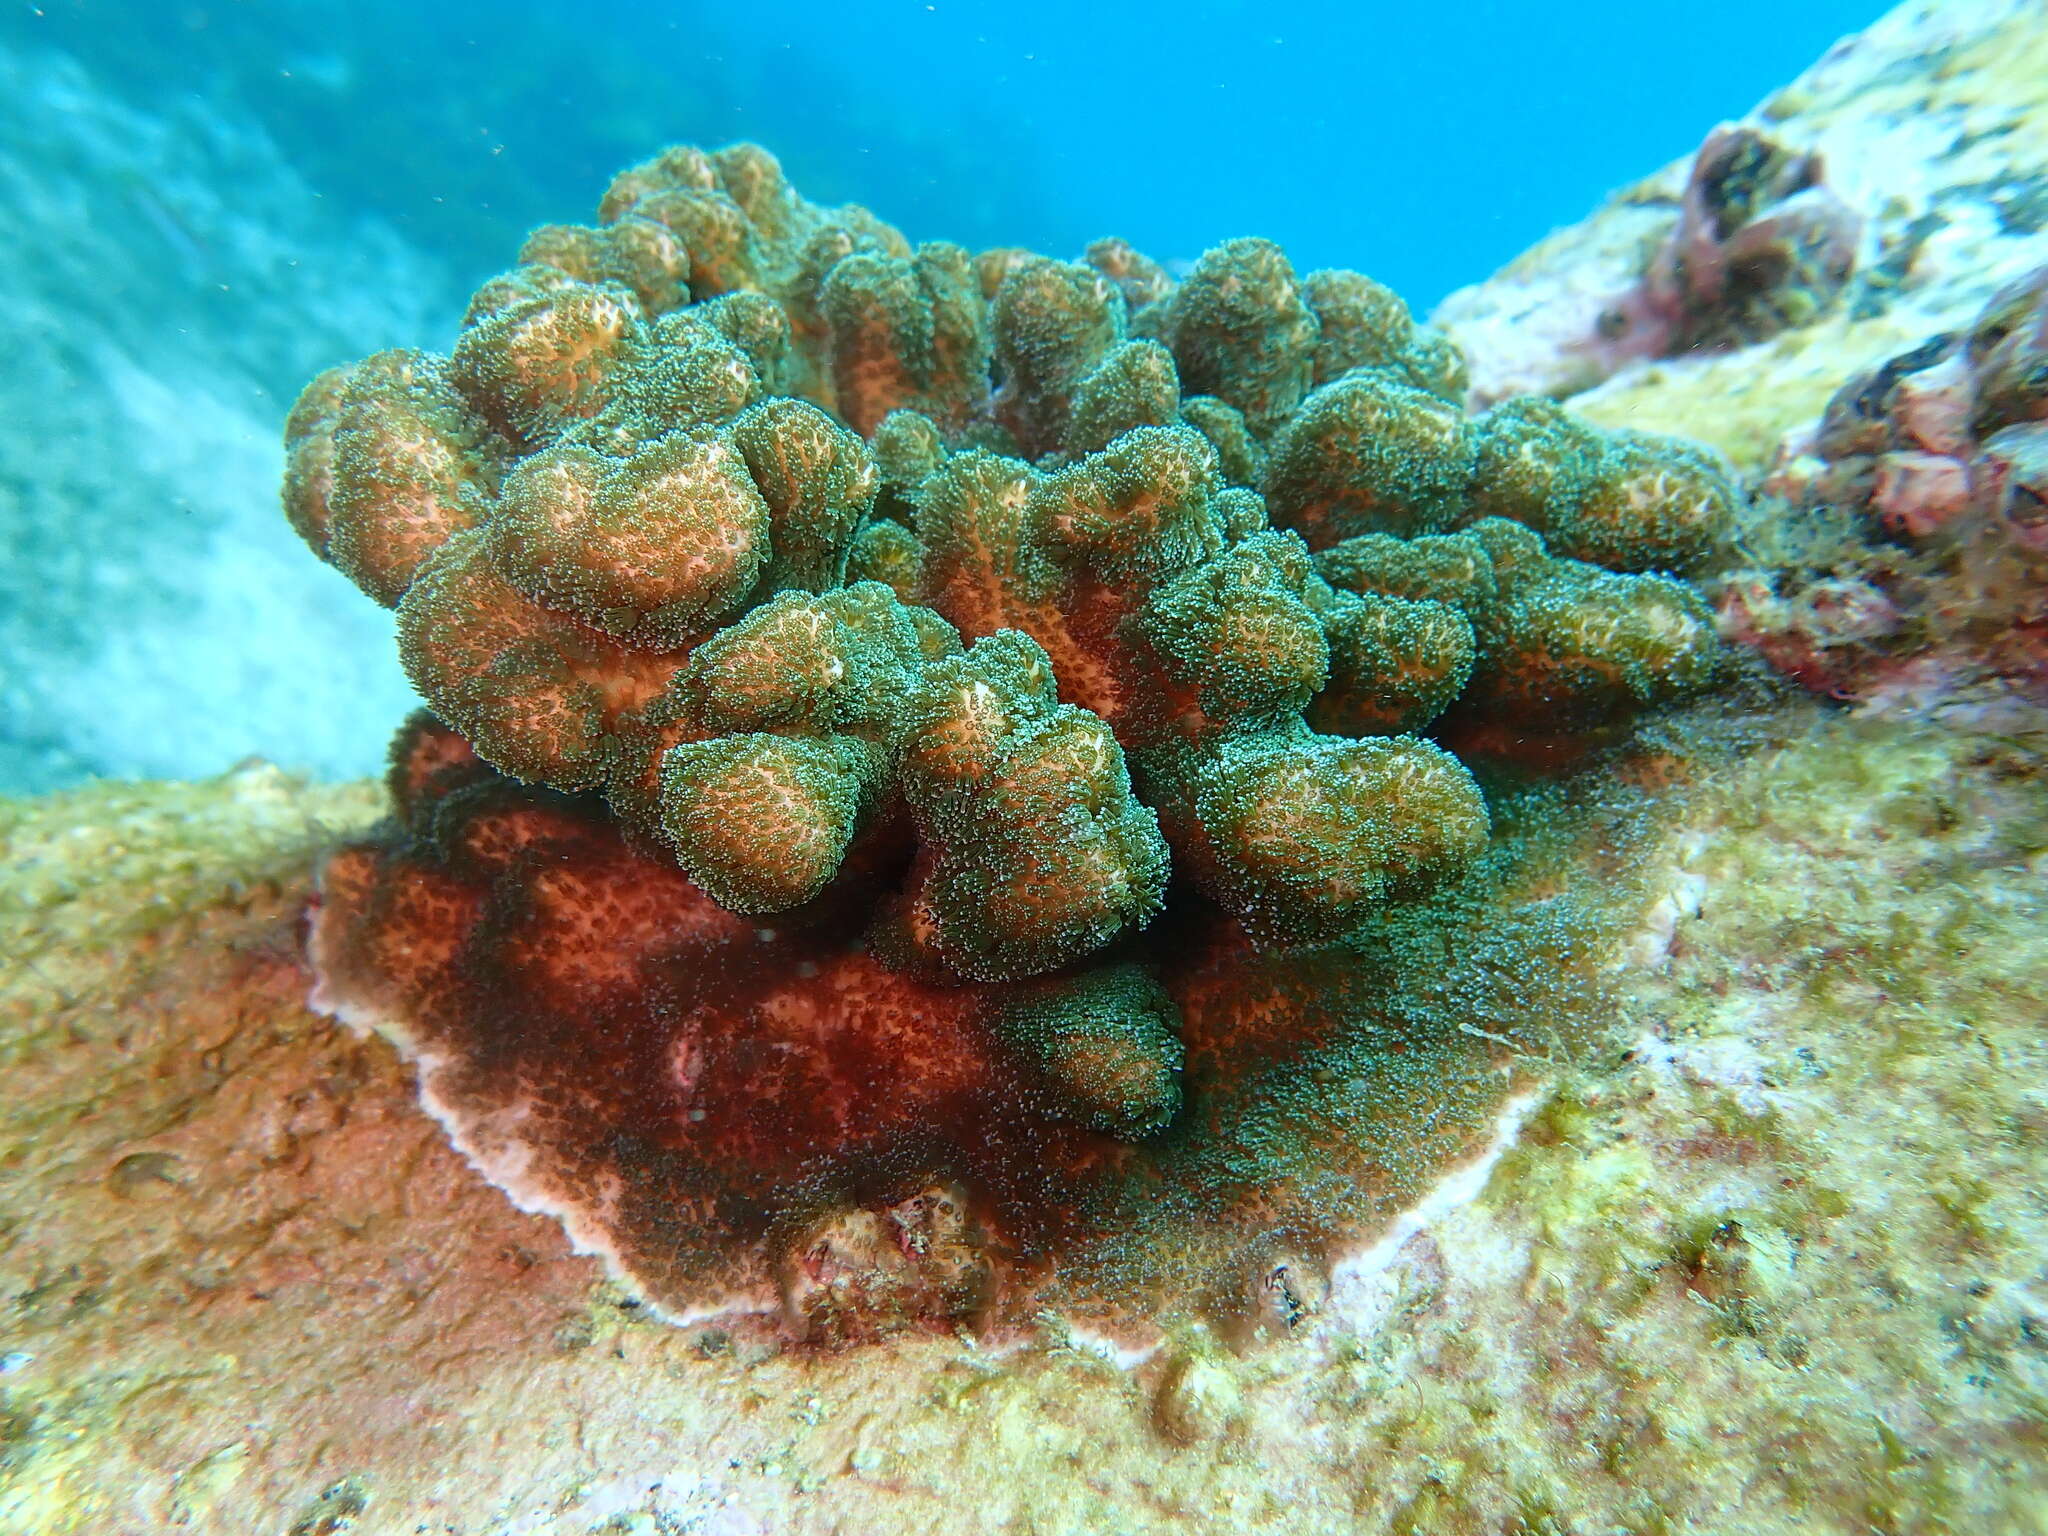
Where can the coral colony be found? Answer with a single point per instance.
(950, 787)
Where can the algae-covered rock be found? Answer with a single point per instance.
(1763, 1265)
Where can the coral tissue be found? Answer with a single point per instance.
(950, 777)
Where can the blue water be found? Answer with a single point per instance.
(1425, 143)
(203, 202)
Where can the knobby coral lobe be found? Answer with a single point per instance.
(946, 786)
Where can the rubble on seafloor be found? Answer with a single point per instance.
(1760, 1254)
(1897, 554)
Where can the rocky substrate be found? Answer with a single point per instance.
(1772, 1263)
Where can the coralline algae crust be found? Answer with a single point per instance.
(494, 1147)
(923, 821)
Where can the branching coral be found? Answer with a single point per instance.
(924, 747)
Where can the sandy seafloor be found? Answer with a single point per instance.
(1774, 1259)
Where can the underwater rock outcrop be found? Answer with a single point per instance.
(1751, 237)
(1762, 244)
(1910, 547)
(950, 782)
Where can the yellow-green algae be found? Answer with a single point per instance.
(1760, 393)
(1763, 1265)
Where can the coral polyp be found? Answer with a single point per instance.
(949, 781)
